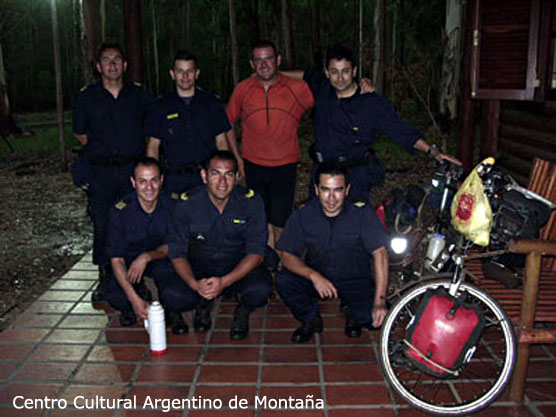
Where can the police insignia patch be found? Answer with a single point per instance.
(184, 197)
(359, 204)
(121, 205)
(172, 116)
(250, 193)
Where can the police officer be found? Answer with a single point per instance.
(340, 241)
(137, 247)
(188, 124)
(348, 123)
(108, 121)
(217, 244)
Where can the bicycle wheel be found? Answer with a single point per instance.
(481, 380)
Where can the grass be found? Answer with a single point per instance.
(42, 144)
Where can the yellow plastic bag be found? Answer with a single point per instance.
(471, 212)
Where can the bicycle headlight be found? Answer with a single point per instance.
(398, 245)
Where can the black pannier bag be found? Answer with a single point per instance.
(441, 338)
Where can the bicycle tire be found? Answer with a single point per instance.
(482, 380)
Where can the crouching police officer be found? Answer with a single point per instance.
(217, 243)
(137, 246)
(339, 241)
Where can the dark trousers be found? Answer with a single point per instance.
(174, 293)
(109, 184)
(300, 296)
(178, 182)
(360, 183)
(253, 289)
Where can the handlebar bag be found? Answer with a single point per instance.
(441, 338)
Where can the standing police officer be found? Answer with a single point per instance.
(189, 124)
(339, 240)
(218, 241)
(137, 247)
(108, 120)
(348, 123)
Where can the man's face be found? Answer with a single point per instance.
(111, 65)
(341, 74)
(265, 63)
(147, 182)
(184, 73)
(220, 179)
(332, 192)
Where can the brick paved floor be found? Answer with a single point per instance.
(65, 348)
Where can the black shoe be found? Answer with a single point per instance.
(98, 294)
(202, 321)
(127, 318)
(240, 325)
(306, 331)
(175, 322)
(352, 329)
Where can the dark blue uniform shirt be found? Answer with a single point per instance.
(217, 241)
(132, 231)
(114, 126)
(347, 127)
(187, 131)
(339, 247)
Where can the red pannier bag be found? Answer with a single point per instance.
(442, 336)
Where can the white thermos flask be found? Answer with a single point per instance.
(156, 327)
(436, 245)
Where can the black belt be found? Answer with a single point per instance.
(115, 161)
(182, 169)
(345, 162)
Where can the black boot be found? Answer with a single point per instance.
(174, 320)
(306, 331)
(127, 318)
(352, 328)
(98, 294)
(202, 321)
(240, 325)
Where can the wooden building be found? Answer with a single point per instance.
(509, 82)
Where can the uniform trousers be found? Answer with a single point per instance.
(173, 292)
(108, 185)
(300, 296)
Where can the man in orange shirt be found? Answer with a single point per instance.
(269, 106)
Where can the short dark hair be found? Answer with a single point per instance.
(331, 169)
(183, 55)
(146, 161)
(222, 156)
(340, 52)
(110, 45)
(264, 44)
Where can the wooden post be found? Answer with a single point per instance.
(466, 138)
(528, 307)
(491, 123)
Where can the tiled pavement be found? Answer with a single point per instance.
(65, 348)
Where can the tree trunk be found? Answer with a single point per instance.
(90, 37)
(103, 20)
(379, 17)
(58, 75)
(155, 48)
(315, 30)
(449, 89)
(233, 41)
(287, 28)
(133, 40)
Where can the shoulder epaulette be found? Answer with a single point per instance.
(121, 205)
(250, 194)
(359, 204)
